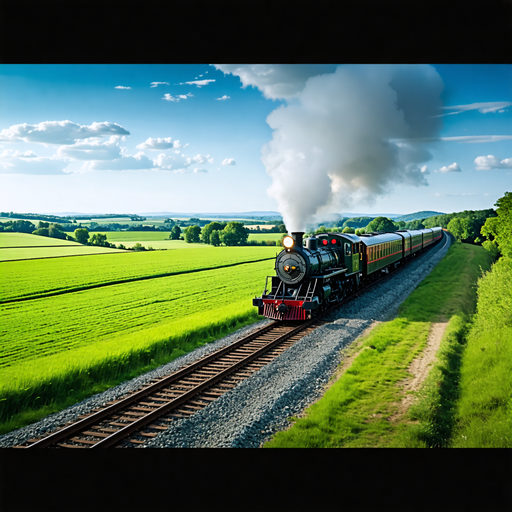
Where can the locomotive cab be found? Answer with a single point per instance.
(349, 244)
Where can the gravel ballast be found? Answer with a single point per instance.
(248, 415)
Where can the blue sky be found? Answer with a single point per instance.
(205, 138)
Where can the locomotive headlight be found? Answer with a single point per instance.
(288, 242)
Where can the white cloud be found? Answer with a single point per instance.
(200, 159)
(159, 144)
(198, 83)
(223, 98)
(464, 138)
(485, 163)
(14, 162)
(177, 162)
(276, 80)
(450, 168)
(156, 84)
(93, 150)
(196, 170)
(169, 97)
(228, 161)
(59, 132)
(446, 194)
(125, 163)
(483, 108)
(121, 87)
(9, 153)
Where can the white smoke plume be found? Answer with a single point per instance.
(332, 145)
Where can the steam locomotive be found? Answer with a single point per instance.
(325, 268)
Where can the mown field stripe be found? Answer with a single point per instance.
(37, 247)
(128, 280)
(50, 257)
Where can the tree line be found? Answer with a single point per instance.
(466, 226)
(217, 233)
(214, 233)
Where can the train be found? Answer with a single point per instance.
(314, 273)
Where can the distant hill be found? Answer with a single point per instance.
(416, 216)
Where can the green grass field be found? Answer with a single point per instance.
(263, 236)
(29, 253)
(58, 349)
(136, 236)
(483, 417)
(100, 315)
(144, 237)
(355, 410)
(41, 278)
(162, 244)
(29, 240)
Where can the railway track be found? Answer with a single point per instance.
(146, 412)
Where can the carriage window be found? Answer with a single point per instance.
(347, 250)
(355, 249)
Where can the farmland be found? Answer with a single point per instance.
(265, 236)
(85, 322)
(103, 314)
(29, 240)
(40, 278)
(28, 253)
(137, 236)
(23, 246)
(129, 238)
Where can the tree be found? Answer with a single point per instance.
(381, 225)
(54, 232)
(81, 235)
(175, 233)
(498, 230)
(348, 230)
(192, 234)
(234, 234)
(99, 239)
(42, 224)
(459, 228)
(215, 238)
(414, 224)
(41, 232)
(208, 230)
(282, 228)
(22, 226)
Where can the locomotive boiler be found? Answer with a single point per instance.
(326, 268)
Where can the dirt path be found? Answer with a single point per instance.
(418, 370)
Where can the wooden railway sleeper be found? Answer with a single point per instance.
(96, 434)
(178, 410)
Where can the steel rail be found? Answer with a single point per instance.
(104, 413)
(138, 424)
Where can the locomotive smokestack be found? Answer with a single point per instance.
(297, 235)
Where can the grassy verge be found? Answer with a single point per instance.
(358, 408)
(85, 372)
(484, 413)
